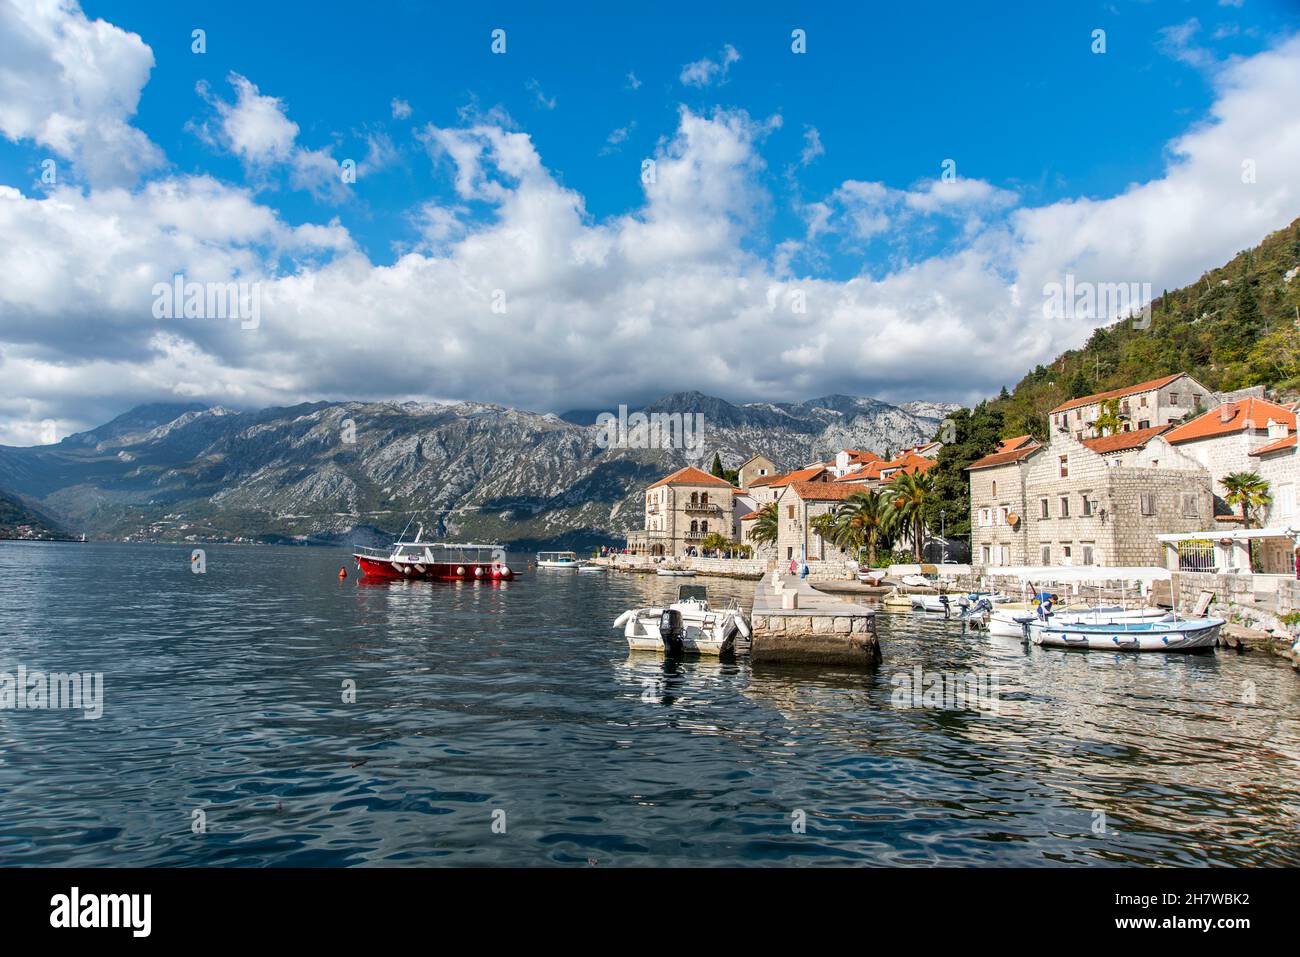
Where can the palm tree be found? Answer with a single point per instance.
(1247, 489)
(909, 497)
(765, 526)
(862, 520)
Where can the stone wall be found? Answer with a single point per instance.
(1252, 600)
(996, 488)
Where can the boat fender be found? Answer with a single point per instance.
(343, 572)
(742, 626)
(623, 619)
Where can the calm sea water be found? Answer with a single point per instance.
(518, 705)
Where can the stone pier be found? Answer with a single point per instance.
(794, 623)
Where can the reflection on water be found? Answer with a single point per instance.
(224, 693)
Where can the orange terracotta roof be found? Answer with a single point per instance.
(862, 456)
(909, 462)
(1118, 393)
(1255, 411)
(821, 491)
(690, 475)
(798, 475)
(746, 517)
(1004, 458)
(1010, 445)
(1123, 441)
(1284, 443)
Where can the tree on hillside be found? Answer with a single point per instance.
(974, 434)
(716, 468)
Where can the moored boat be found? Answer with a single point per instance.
(687, 626)
(567, 560)
(448, 561)
(666, 572)
(1183, 634)
(1007, 621)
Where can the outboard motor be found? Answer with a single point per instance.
(671, 630)
(947, 611)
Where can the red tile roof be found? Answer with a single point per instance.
(1257, 412)
(748, 515)
(1004, 458)
(1119, 393)
(909, 462)
(690, 475)
(821, 491)
(1284, 443)
(1123, 441)
(798, 475)
(1010, 445)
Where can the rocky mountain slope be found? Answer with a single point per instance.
(356, 471)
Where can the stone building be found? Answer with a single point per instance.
(1067, 503)
(755, 468)
(1278, 463)
(1169, 399)
(766, 490)
(682, 509)
(1223, 439)
(797, 505)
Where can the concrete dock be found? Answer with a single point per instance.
(794, 623)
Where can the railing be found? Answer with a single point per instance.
(1197, 555)
(704, 507)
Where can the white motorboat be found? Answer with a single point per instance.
(1183, 634)
(953, 602)
(1007, 621)
(687, 626)
(675, 572)
(567, 560)
(590, 567)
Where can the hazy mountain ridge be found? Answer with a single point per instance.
(325, 471)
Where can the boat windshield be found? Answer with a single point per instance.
(557, 556)
(693, 593)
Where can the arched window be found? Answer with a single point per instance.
(695, 498)
(695, 527)
(704, 527)
(704, 498)
(995, 487)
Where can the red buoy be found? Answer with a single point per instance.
(343, 572)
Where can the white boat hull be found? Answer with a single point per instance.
(707, 632)
(1185, 635)
(1003, 622)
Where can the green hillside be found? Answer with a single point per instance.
(14, 514)
(1234, 327)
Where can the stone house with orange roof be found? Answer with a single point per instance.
(1224, 439)
(1167, 400)
(684, 508)
(1100, 501)
(798, 504)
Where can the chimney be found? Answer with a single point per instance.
(1227, 412)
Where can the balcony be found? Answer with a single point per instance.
(706, 509)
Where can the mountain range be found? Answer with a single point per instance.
(358, 471)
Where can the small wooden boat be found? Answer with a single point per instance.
(687, 626)
(1007, 621)
(1184, 634)
(675, 572)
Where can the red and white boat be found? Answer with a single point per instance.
(449, 561)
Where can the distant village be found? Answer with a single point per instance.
(1164, 473)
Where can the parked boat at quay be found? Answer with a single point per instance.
(688, 625)
(1007, 621)
(1184, 634)
(567, 560)
(450, 561)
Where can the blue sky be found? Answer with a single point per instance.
(809, 174)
